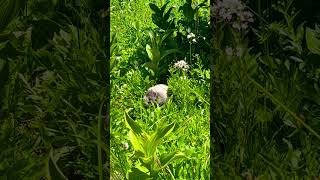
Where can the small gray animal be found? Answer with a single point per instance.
(157, 93)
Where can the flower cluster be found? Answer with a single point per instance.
(192, 37)
(230, 52)
(233, 12)
(181, 65)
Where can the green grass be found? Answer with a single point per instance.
(266, 104)
(53, 96)
(51, 93)
(187, 107)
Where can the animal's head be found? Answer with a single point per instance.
(150, 97)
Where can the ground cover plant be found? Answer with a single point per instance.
(265, 113)
(266, 91)
(160, 42)
(53, 89)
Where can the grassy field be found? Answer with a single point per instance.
(52, 83)
(187, 107)
(266, 95)
(265, 108)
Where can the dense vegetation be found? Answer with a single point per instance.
(266, 108)
(258, 59)
(53, 79)
(161, 42)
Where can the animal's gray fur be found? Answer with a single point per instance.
(157, 93)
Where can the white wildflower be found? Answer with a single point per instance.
(125, 146)
(181, 65)
(183, 77)
(229, 51)
(194, 40)
(190, 35)
(234, 12)
(237, 51)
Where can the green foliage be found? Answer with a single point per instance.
(313, 40)
(9, 10)
(171, 141)
(145, 147)
(189, 11)
(157, 53)
(114, 51)
(52, 85)
(53, 170)
(265, 104)
(162, 18)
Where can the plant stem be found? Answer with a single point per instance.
(190, 53)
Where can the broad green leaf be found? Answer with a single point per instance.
(151, 66)
(313, 41)
(162, 132)
(154, 8)
(137, 174)
(149, 51)
(168, 52)
(54, 172)
(163, 8)
(137, 142)
(167, 14)
(165, 36)
(156, 55)
(113, 38)
(133, 125)
(166, 159)
(156, 138)
(141, 167)
(139, 154)
(152, 38)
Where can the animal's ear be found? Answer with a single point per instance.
(153, 93)
(148, 93)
